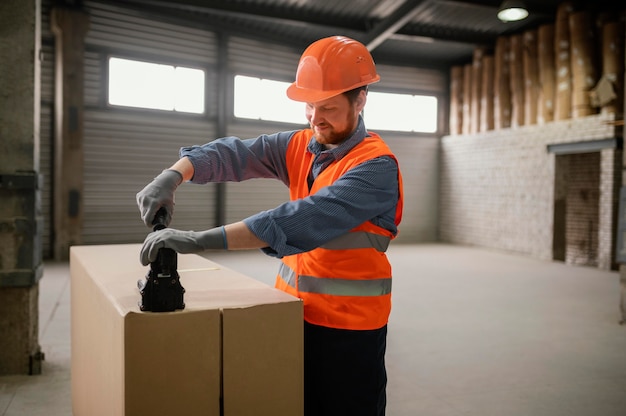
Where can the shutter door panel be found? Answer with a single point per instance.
(126, 148)
(408, 80)
(116, 27)
(254, 58)
(122, 154)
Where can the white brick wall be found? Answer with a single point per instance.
(497, 187)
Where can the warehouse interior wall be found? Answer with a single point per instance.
(534, 161)
(505, 190)
(125, 148)
(494, 185)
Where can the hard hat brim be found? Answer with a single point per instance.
(306, 95)
(310, 96)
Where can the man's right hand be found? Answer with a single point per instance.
(157, 194)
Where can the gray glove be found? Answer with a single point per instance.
(159, 193)
(183, 242)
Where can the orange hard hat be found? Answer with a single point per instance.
(332, 66)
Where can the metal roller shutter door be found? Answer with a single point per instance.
(124, 150)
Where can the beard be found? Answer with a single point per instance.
(330, 136)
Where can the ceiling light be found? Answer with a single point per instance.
(512, 11)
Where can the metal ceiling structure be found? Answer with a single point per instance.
(425, 33)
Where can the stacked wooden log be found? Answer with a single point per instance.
(571, 68)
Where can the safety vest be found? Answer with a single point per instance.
(346, 283)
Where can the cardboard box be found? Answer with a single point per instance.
(236, 349)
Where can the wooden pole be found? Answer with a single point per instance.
(502, 85)
(613, 65)
(563, 96)
(487, 100)
(517, 80)
(547, 76)
(584, 64)
(456, 100)
(477, 78)
(467, 94)
(531, 77)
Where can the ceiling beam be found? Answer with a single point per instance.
(399, 22)
(263, 11)
(387, 27)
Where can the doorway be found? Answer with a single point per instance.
(577, 208)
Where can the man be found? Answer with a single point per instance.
(345, 204)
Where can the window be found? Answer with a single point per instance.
(401, 112)
(264, 99)
(155, 86)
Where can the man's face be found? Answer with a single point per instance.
(333, 119)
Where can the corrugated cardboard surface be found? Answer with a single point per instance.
(127, 362)
(259, 346)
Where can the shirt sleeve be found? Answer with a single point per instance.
(231, 159)
(368, 191)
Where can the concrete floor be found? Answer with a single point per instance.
(473, 332)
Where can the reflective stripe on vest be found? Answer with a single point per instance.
(333, 285)
(359, 239)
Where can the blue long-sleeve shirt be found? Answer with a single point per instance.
(368, 191)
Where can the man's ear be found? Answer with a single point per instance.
(360, 101)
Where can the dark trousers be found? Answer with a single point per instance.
(344, 372)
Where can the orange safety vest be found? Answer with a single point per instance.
(345, 283)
